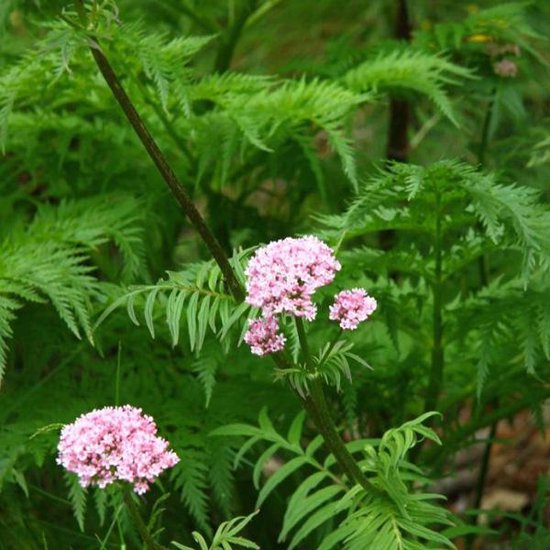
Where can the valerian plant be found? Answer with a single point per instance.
(148, 150)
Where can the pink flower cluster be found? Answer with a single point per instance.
(351, 307)
(263, 336)
(282, 276)
(114, 443)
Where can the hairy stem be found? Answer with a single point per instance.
(316, 404)
(438, 360)
(484, 469)
(161, 163)
(139, 524)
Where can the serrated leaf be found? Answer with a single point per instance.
(279, 476)
(148, 311)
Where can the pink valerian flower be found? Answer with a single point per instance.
(282, 276)
(114, 443)
(263, 337)
(351, 307)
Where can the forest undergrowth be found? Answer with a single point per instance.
(274, 274)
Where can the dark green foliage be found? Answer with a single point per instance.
(274, 117)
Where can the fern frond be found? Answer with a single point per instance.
(192, 480)
(226, 536)
(289, 110)
(398, 519)
(49, 261)
(77, 497)
(402, 197)
(200, 289)
(412, 70)
(164, 61)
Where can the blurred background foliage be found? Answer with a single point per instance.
(280, 118)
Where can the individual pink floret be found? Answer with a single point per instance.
(114, 443)
(263, 337)
(351, 307)
(282, 276)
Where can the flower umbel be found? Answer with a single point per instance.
(351, 307)
(114, 443)
(263, 337)
(282, 276)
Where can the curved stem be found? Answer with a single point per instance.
(138, 522)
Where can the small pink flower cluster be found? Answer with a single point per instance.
(263, 336)
(351, 307)
(283, 276)
(114, 443)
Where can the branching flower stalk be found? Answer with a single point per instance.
(315, 403)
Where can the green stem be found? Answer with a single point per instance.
(304, 344)
(138, 522)
(161, 163)
(229, 43)
(438, 360)
(316, 404)
(482, 151)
